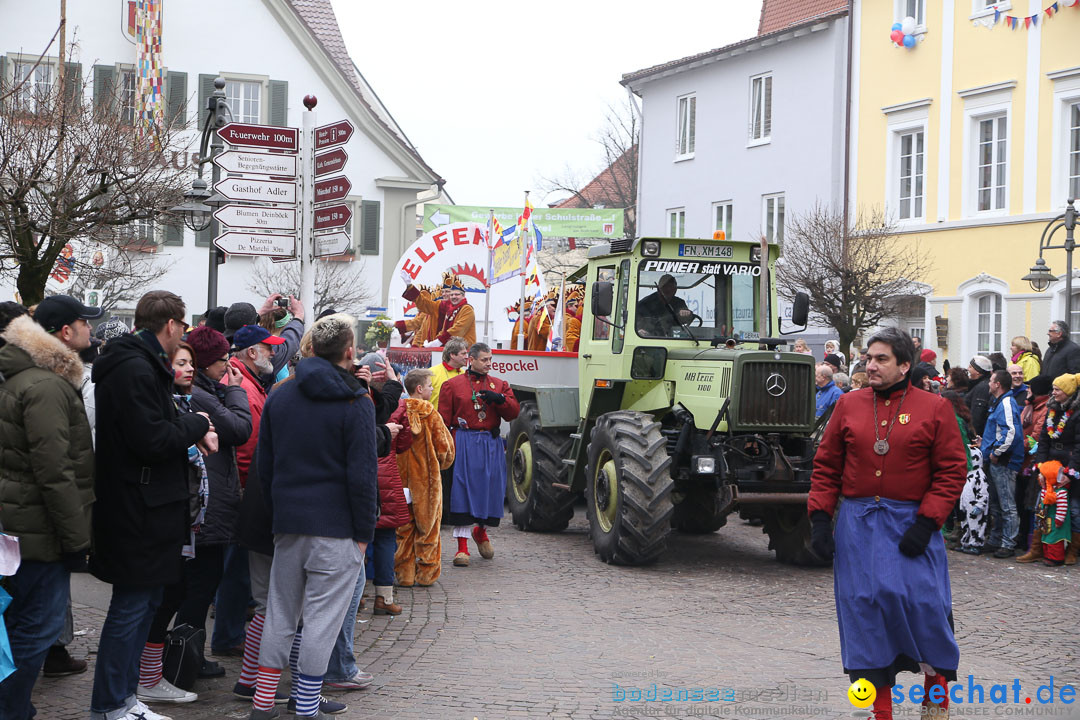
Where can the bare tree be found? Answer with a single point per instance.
(70, 170)
(854, 277)
(338, 285)
(614, 185)
(120, 277)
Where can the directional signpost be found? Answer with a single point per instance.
(258, 190)
(330, 162)
(251, 162)
(257, 217)
(333, 243)
(330, 189)
(256, 243)
(270, 137)
(337, 133)
(332, 216)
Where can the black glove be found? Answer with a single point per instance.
(821, 535)
(74, 561)
(918, 536)
(490, 396)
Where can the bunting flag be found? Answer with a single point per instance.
(1012, 22)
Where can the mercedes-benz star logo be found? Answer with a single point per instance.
(775, 385)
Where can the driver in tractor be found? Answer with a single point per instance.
(660, 313)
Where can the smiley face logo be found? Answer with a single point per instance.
(862, 693)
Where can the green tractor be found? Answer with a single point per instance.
(683, 412)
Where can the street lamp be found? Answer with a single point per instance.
(200, 201)
(1040, 276)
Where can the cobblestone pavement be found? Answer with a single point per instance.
(547, 631)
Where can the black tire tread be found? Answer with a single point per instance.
(548, 509)
(792, 546)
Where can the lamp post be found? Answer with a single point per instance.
(200, 201)
(1040, 276)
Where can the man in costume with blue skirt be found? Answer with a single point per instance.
(895, 454)
(473, 405)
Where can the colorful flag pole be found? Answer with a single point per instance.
(524, 259)
(558, 331)
(487, 277)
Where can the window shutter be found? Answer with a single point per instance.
(73, 85)
(369, 229)
(768, 106)
(174, 232)
(3, 74)
(693, 122)
(279, 102)
(176, 98)
(104, 89)
(204, 238)
(206, 89)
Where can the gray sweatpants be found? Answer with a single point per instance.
(311, 578)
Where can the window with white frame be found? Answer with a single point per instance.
(1074, 151)
(127, 95)
(687, 120)
(32, 82)
(761, 108)
(773, 221)
(912, 8)
(988, 337)
(677, 222)
(245, 100)
(910, 179)
(992, 169)
(722, 216)
(982, 7)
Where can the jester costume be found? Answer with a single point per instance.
(447, 319)
(1052, 519)
(572, 320)
(539, 332)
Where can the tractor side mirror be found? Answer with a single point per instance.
(800, 309)
(603, 296)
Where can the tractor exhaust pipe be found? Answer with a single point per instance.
(773, 498)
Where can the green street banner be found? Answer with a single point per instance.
(553, 222)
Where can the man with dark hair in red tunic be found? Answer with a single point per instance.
(895, 454)
(473, 405)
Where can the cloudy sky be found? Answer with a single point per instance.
(497, 95)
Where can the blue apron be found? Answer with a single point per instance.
(894, 611)
(479, 486)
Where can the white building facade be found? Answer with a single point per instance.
(271, 53)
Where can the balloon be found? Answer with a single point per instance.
(908, 25)
(897, 26)
(909, 41)
(897, 37)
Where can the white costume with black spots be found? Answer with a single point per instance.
(973, 503)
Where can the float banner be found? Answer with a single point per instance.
(553, 222)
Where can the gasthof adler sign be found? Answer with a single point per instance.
(261, 136)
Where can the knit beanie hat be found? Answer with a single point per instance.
(1066, 383)
(1040, 385)
(238, 315)
(928, 356)
(834, 360)
(114, 327)
(209, 346)
(215, 318)
(982, 364)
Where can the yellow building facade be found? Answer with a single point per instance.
(970, 140)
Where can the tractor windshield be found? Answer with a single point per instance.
(712, 299)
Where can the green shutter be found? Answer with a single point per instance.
(174, 231)
(104, 89)
(203, 238)
(73, 85)
(3, 74)
(176, 98)
(279, 103)
(206, 89)
(369, 227)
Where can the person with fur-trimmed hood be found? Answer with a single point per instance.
(46, 486)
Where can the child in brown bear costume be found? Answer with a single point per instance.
(419, 546)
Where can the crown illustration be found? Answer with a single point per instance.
(452, 281)
(515, 308)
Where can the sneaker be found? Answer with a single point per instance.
(970, 550)
(141, 712)
(264, 714)
(210, 669)
(247, 692)
(164, 691)
(1002, 553)
(329, 707)
(58, 663)
(358, 681)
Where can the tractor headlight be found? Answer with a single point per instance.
(705, 465)
(650, 248)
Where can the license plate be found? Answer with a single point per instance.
(706, 251)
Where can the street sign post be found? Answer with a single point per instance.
(335, 188)
(330, 162)
(270, 137)
(333, 243)
(332, 216)
(258, 217)
(250, 162)
(256, 243)
(337, 133)
(257, 190)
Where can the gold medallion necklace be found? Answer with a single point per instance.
(881, 444)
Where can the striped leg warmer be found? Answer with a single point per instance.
(266, 688)
(150, 664)
(252, 641)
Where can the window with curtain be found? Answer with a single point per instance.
(761, 108)
(988, 339)
(245, 100)
(687, 124)
(992, 172)
(911, 175)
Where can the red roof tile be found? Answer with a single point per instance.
(779, 14)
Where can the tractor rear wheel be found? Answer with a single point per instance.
(788, 529)
(533, 463)
(628, 488)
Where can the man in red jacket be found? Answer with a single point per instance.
(895, 454)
